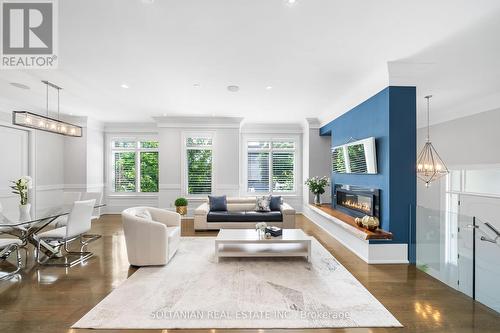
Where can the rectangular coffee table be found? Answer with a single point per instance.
(247, 243)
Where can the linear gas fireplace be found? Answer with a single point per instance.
(357, 201)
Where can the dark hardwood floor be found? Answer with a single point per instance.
(50, 299)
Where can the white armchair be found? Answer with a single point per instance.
(152, 235)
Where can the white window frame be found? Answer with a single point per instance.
(110, 161)
(292, 138)
(184, 166)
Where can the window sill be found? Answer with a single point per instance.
(133, 195)
(286, 195)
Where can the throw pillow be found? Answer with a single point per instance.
(275, 204)
(263, 204)
(217, 203)
(144, 214)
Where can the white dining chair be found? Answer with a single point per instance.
(2, 229)
(68, 199)
(79, 223)
(96, 213)
(9, 246)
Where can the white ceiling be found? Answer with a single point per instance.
(321, 57)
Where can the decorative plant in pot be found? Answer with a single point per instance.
(317, 187)
(181, 205)
(21, 187)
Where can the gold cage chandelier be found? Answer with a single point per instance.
(430, 166)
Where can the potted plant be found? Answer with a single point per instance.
(181, 205)
(21, 187)
(317, 187)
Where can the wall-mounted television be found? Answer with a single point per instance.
(355, 157)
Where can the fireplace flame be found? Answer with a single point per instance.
(357, 205)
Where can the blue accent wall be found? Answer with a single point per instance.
(390, 117)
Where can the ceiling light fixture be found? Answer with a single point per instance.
(124, 86)
(430, 166)
(290, 2)
(269, 87)
(196, 85)
(233, 88)
(45, 123)
(19, 85)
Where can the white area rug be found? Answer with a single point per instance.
(193, 291)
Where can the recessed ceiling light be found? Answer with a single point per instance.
(124, 86)
(269, 87)
(233, 88)
(19, 85)
(196, 85)
(291, 2)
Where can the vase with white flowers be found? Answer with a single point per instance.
(261, 227)
(21, 187)
(317, 187)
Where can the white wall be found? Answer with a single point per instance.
(49, 167)
(468, 141)
(75, 162)
(95, 157)
(316, 158)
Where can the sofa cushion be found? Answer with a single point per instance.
(252, 216)
(263, 204)
(225, 216)
(275, 204)
(144, 214)
(217, 203)
(248, 216)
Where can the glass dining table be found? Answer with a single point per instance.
(25, 225)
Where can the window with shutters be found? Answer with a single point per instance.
(134, 165)
(271, 166)
(198, 164)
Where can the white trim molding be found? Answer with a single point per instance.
(51, 187)
(313, 123)
(234, 187)
(198, 122)
(257, 128)
(139, 128)
(170, 187)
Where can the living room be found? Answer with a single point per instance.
(249, 166)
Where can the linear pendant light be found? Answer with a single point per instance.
(46, 123)
(430, 166)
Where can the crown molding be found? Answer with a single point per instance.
(313, 123)
(149, 128)
(198, 122)
(259, 128)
